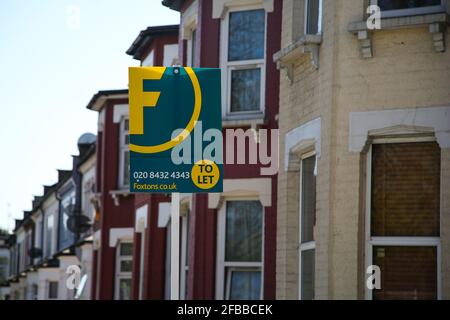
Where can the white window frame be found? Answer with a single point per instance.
(412, 11)
(311, 245)
(38, 235)
(141, 266)
(167, 262)
(149, 60)
(170, 54)
(123, 147)
(371, 242)
(228, 66)
(119, 275)
(88, 193)
(184, 263)
(48, 251)
(320, 19)
(189, 49)
(69, 199)
(221, 242)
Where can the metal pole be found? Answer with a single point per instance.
(175, 236)
(175, 247)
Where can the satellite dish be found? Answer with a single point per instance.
(69, 210)
(78, 224)
(35, 253)
(87, 138)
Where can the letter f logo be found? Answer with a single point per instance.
(139, 99)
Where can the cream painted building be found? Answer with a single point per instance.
(365, 151)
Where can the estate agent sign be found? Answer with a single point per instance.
(175, 130)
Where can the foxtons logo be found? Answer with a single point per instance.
(166, 105)
(140, 98)
(176, 136)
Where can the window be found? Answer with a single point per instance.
(404, 220)
(38, 234)
(124, 156)
(394, 8)
(170, 54)
(65, 236)
(240, 251)
(53, 290)
(243, 61)
(124, 266)
(313, 17)
(34, 291)
(191, 49)
(19, 257)
(88, 193)
(48, 235)
(307, 225)
(28, 245)
(3, 269)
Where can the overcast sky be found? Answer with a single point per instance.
(54, 55)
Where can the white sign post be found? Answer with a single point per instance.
(175, 247)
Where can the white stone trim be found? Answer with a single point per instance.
(220, 7)
(163, 214)
(189, 20)
(306, 133)
(253, 187)
(120, 234)
(361, 123)
(120, 111)
(141, 219)
(101, 120)
(97, 239)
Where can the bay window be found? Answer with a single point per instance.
(307, 244)
(240, 251)
(124, 153)
(403, 222)
(124, 263)
(243, 60)
(395, 8)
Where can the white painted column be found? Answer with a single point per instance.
(175, 247)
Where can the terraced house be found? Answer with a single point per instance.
(230, 247)
(365, 150)
(127, 239)
(53, 236)
(363, 186)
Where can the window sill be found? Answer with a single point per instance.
(437, 25)
(251, 120)
(307, 44)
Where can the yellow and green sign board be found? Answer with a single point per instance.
(175, 130)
